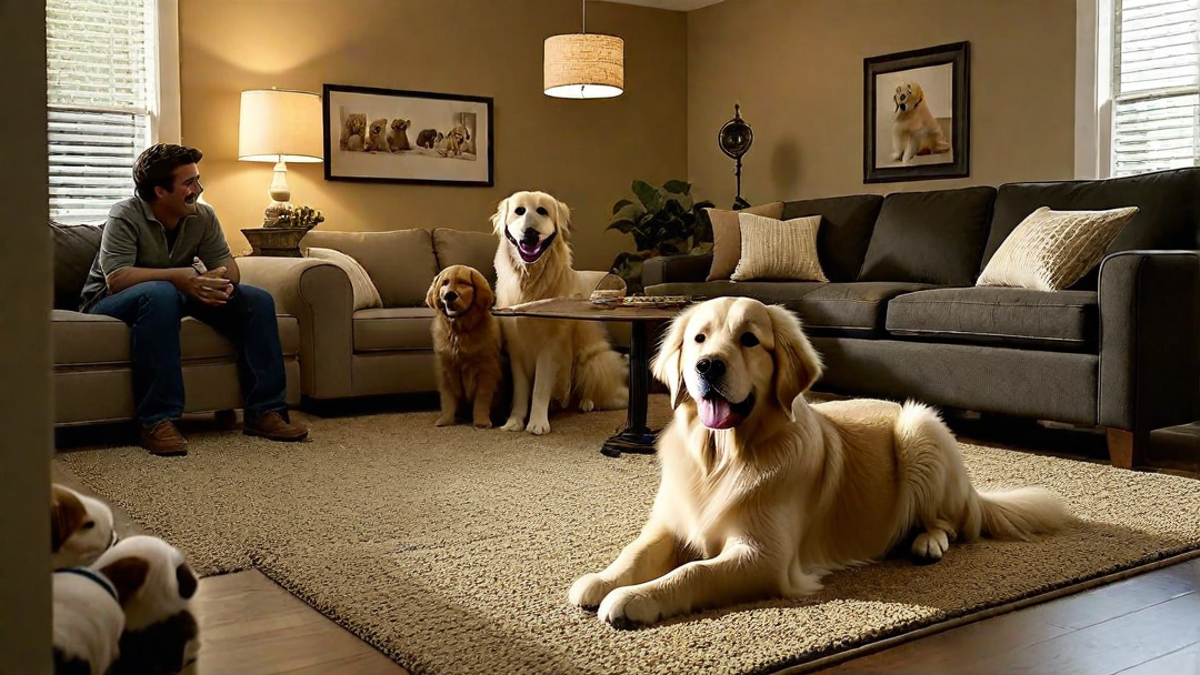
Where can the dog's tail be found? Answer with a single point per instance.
(1021, 513)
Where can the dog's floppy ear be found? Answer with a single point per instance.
(484, 297)
(431, 297)
(498, 217)
(562, 219)
(797, 364)
(127, 575)
(667, 366)
(67, 513)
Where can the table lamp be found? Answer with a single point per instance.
(279, 126)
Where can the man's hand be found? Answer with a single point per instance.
(210, 288)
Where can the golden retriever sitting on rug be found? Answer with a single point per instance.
(466, 342)
(552, 359)
(763, 494)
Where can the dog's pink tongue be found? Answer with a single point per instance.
(716, 413)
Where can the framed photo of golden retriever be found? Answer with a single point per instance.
(395, 136)
(917, 114)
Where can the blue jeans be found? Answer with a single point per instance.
(153, 310)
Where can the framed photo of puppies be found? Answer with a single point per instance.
(917, 114)
(394, 136)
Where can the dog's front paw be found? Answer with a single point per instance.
(588, 591)
(444, 421)
(538, 427)
(514, 424)
(483, 423)
(624, 608)
(587, 405)
(929, 547)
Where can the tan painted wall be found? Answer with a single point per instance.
(584, 152)
(26, 407)
(796, 67)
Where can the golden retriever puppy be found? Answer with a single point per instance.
(398, 137)
(762, 494)
(552, 360)
(354, 132)
(377, 136)
(452, 144)
(914, 129)
(466, 340)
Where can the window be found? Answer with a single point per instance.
(1155, 85)
(103, 85)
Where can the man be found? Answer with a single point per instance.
(163, 257)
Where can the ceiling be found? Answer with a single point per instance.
(680, 5)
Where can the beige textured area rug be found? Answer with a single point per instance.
(452, 549)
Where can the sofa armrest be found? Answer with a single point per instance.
(676, 269)
(1149, 340)
(318, 294)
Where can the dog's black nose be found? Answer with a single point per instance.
(710, 368)
(450, 296)
(530, 236)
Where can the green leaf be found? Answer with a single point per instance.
(677, 187)
(630, 211)
(649, 195)
(623, 226)
(620, 205)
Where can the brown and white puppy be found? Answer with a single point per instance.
(763, 494)
(451, 144)
(354, 132)
(552, 360)
(915, 131)
(155, 586)
(81, 527)
(377, 136)
(398, 137)
(429, 138)
(88, 622)
(466, 341)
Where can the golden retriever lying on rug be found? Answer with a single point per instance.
(553, 360)
(762, 494)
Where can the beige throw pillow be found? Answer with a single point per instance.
(774, 249)
(366, 295)
(727, 237)
(1051, 250)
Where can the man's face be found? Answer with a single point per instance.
(185, 189)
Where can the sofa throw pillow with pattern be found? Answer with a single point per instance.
(727, 237)
(774, 249)
(1051, 250)
(366, 296)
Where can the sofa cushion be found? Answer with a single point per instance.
(727, 236)
(778, 249)
(845, 232)
(1168, 210)
(473, 249)
(855, 307)
(393, 329)
(1007, 317)
(98, 340)
(931, 237)
(75, 248)
(401, 262)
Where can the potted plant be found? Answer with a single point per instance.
(663, 221)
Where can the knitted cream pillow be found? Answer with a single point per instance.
(775, 249)
(727, 237)
(1051, 250)
(366, 295)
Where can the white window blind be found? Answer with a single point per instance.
(102, 94)
(1156, 85)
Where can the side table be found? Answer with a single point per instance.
(281, 242)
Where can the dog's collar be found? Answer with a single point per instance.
(94, 576)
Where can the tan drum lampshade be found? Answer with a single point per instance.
(278, 125)
(584, 65)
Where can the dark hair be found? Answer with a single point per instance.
(156, 166)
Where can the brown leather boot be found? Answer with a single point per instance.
(164, 439)
(272, 426)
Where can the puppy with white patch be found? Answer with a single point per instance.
(81, 527)
(763, 494)
(88, 621)
(915, 131)
(552, 360)
(155, 586)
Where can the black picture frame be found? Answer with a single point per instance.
(448, 158)
(879, 122)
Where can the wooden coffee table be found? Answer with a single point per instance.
(636, 437)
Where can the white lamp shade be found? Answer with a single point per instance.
(280, 125)
(583, 65)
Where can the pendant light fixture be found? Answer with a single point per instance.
(583, 65)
